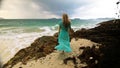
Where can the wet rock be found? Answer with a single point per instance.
(107, 55)
(39, 48)
(73, 59)
(91, 56)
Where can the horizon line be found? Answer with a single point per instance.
(60, 18)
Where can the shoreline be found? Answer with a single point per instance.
(55, 59)
(10, 45)
(44, 46)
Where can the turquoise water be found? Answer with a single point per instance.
(16, 34)
(39, 25)
(27, 22)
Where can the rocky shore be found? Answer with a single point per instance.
(105, 54)
(39, 48)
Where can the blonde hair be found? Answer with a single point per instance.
(66, 21)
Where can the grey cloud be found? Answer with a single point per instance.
(40, 8)
(24, 9)
(59, 6)
(0, 3)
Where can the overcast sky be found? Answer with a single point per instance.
(54, 8)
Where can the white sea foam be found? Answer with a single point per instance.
(55, 27)
(6, 28)
(88, 26)
(11, 43)
(13, 39)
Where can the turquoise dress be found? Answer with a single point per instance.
(63, 39)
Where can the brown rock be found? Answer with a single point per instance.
(39, 48)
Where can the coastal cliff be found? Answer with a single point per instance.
(103, 55)
(107, 55)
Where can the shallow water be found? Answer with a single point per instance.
(18, 34)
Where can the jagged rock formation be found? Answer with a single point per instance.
(107, 54)
(39, 48)
(104, 55)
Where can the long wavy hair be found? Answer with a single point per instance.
(66, 21)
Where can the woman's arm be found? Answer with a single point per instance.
(59, 30)
(70, 30)
(70, 27)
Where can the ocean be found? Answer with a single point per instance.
(16, 34)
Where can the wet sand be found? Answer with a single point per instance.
(55, 59)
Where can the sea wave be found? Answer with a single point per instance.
(12, 39)
(11, 44)
(37, 29)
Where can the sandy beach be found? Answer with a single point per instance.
(55, 59)
(97, 52)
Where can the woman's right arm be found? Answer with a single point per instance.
(59, 29)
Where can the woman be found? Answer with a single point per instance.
(63, 38)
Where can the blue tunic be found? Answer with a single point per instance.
(63, 39)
